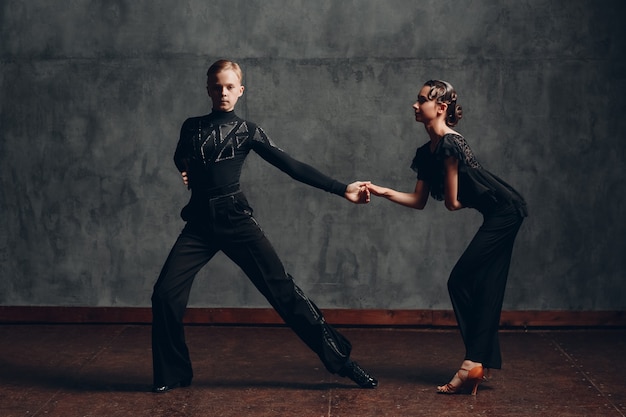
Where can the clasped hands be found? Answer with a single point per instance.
(359, 191)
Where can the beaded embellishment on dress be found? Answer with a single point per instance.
(469, 160)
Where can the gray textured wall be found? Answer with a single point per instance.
(93, 94)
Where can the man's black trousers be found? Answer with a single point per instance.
(226, 224)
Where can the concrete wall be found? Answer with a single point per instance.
(93, 94)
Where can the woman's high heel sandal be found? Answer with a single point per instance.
(473, 378)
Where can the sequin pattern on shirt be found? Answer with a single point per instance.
(222, 141)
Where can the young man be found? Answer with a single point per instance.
(210, 155)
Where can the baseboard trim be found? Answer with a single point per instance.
(339, 317)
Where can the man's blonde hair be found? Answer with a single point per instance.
(224, 65)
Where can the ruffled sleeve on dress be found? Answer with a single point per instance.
(450, 146)
(429, 170)
(421, 163)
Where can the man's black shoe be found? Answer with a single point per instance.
(160, 389)
(353, 371)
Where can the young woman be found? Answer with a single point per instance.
(447, 169)
(210, 155)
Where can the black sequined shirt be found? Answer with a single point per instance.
(213, 149)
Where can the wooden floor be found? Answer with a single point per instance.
(105, 370)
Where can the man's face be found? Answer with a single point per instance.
(224, 88)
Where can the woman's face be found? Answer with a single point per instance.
(425, 109)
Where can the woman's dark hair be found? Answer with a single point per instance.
(443, 92)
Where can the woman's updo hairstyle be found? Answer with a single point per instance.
(443, 92)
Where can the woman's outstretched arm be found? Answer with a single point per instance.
(417, 199)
